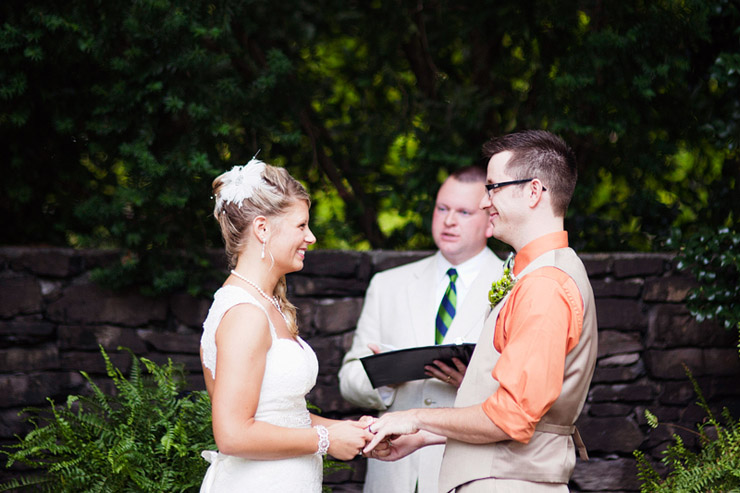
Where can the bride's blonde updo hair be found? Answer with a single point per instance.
(242, 194)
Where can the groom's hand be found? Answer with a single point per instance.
(382, 450)
(395, 448)
(397, 423)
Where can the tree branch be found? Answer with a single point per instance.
(356, 194)
(419, 56)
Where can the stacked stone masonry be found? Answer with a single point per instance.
(53, 317)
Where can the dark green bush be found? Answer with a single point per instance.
(713, 258)
(115, 119)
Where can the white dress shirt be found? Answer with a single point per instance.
(467, 272)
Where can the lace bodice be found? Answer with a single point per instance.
(291, 366)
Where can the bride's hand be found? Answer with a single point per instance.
(347, 439)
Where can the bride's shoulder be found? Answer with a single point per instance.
(244, 322)
(237, 303)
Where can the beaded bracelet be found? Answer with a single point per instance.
(323, 439)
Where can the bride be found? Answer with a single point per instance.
(257, 369)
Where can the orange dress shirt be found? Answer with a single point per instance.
(538, 326)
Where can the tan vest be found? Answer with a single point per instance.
(550, 454)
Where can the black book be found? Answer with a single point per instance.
(403, 365)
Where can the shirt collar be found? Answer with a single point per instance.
(535, 248)
(466, 271)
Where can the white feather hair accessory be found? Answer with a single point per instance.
(240, 183)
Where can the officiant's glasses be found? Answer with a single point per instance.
(496, 186)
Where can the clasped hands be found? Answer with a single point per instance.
(390, 435)
(388, 438)
(394, 435)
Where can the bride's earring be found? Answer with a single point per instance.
(263, 250)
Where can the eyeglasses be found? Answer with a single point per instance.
(496, 186)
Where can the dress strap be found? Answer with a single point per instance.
(247, 297)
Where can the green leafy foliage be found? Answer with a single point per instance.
(146, 436)
(715, 467)
(116, 118)
(713, 258)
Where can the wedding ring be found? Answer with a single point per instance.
(448, 378)
(370, 428)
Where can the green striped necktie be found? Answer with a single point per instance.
(446, 311)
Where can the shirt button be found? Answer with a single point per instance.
(428, 401)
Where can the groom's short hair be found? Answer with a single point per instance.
(543, 155)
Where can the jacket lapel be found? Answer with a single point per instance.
(421, 298)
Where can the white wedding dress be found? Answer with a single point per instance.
(290, 373)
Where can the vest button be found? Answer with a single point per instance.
(428, 401)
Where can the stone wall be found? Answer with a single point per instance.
(52, 318)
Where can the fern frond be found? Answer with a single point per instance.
(38, 483)
(143, 437)
(99, 398)
(715, 466)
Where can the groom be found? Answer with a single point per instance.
(513, 421)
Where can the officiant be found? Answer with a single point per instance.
(440, 299)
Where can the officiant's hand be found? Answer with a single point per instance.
(377, 350)
(390, 424)
(447, 374)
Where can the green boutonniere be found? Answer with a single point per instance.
(500, 288)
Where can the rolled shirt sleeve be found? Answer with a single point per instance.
(539, 324)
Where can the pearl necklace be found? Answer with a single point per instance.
(273, 300)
